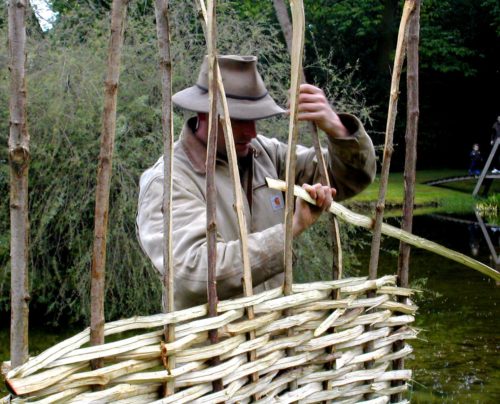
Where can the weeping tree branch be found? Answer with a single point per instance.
(19, 157)
(118, 15)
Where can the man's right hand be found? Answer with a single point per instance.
(306, 214)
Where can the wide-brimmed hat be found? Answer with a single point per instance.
(246, 93)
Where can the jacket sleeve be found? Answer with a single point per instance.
(190, 245)
(351, 161)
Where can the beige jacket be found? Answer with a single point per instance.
(351, 165)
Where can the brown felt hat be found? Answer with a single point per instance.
(247, 96)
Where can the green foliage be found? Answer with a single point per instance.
(66, 70)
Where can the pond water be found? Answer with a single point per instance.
(456, 358)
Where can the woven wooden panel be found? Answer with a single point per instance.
(342, 351)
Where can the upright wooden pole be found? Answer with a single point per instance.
(389, 134)
(118, 15)
(163, 34)
(19, 157)
(211, 190)
(286, 27)
(412, 115)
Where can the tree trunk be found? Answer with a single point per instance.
(286, 26)
(19, 157)
(118, 15)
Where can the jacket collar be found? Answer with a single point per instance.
(196, 150)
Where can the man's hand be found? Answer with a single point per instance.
(306, 214)
(313, 106)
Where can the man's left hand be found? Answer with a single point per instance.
(314, 106)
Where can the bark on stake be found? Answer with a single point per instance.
(163, 33)
(412, 115)
(19, 157)
(297, 8)
(238, 195)
(118, 15)
(211, 190)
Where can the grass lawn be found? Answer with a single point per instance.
(454, 198)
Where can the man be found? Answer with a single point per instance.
(351, 163)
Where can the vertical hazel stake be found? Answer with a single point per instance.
(163, 34)
(286, 27)
(210, 186)
(412, 115)
(118, 15)
(388, 148)
(238, 195)
(297, 8)
(19, 157)
(389, 134)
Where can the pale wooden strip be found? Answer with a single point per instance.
(404, 374)
(327, 285)
(211, 373)
(348, 316)
(223, 395)
(100, 376)
(370, 285)
(359, 376)
(379, 400)
(292, 361)
(140, 399)
(395, 321)
(258, 365)
(249, 325)
(397, 291)
(301, 393)
(252, 389)
(209, 351)
(396, 355)
(393, 390)
(161, 375)
(284, 343)
(119, 392)
(109, 349)
(327, 323)
(399, 307)
(364, 338)
(235, 304)
(289, 322)
(347, 357)
(291, 301)
(63, 396)
(325, 375)
(379, 317)
(401, 334)
(49, 355)
(37, 382)
(154, 351)
(207, 323)
(187, 395)
(376, 355)
(332, 339)
(353, 391)
(247, 346)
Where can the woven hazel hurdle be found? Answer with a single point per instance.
(326, 365)
(296, 343)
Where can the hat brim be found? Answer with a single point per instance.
(195, 99)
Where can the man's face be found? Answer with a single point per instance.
(243, 133)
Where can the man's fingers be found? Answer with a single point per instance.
(322, 194)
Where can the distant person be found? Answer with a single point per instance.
(495, 134)
(475, 160)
